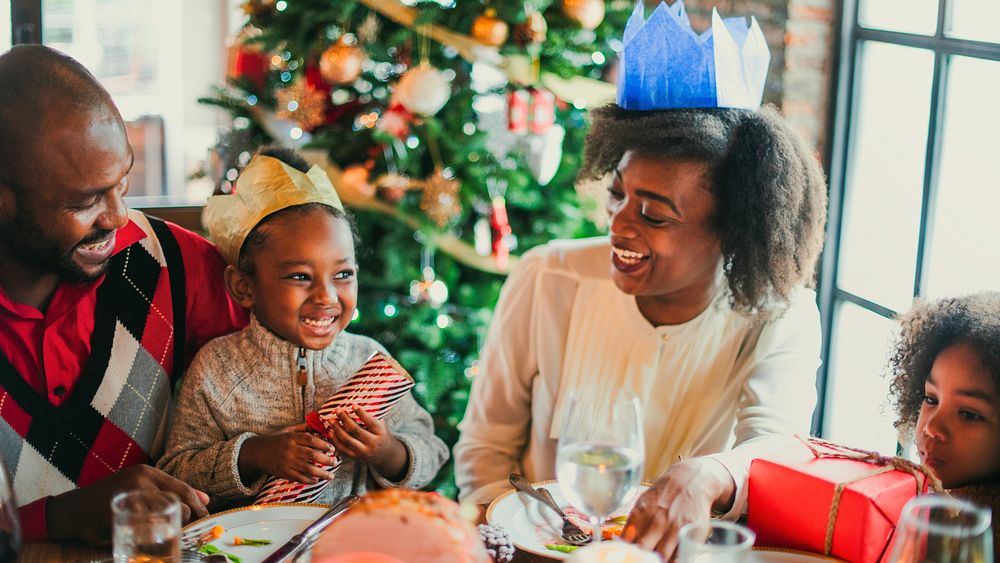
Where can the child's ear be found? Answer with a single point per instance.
(240, 286)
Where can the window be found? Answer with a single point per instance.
(155, 58)
(5, 41)
(914, 193)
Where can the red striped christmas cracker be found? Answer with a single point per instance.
(377, 386)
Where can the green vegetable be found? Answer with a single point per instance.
(562, 548)
(619, 519)
(209, 549)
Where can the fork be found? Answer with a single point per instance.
(571, 533)
(196, 537)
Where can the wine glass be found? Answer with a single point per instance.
(943, 530)
(601, 452)
(10, 525)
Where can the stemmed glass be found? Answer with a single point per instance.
(601, 452)
(10, 525)
(943, 530)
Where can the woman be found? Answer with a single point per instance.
(697, 301)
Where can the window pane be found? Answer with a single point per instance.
(911, 16)
(858, 412)
(155, 58)
(975, 19)
(4, 26)
(885, 178)
(964, 256)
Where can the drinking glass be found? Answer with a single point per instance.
(943, 530)
(10, 525)
(714, 541)
(601, 452)
(147, 527)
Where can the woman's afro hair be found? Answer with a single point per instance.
(769, 189)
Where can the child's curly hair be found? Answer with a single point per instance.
(929, 328)
(769, 188)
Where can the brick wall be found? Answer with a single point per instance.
(800, 34)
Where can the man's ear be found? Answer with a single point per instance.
(240, 286)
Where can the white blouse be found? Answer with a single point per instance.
(722, 383)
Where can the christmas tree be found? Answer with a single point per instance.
(452, 128)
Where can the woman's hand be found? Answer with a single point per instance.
(687, 493)
(291, 453)
(372, 442)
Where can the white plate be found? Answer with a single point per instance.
(275, 522)
(530, 524)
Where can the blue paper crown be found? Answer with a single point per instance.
(665, 64)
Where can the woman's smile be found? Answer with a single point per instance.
(628, 261)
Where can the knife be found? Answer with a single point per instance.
(300, 541)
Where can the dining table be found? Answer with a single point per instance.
(73, 551)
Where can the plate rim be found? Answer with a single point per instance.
(256, 507)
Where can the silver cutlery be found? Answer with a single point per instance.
(304, 539)
(571, 533)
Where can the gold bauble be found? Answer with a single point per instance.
(341, 63)
(588, 13)
(532, 31)
(490, 30)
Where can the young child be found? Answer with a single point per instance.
(242, 406)
(946, 386)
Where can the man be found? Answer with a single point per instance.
(100, 307)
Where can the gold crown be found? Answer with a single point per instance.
(266, 185)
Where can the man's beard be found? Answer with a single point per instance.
(26, 242)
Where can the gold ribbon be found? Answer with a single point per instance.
(823, 449)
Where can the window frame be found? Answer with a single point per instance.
(851, 38)
(25, 21)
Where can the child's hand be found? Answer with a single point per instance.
(290, 453)
(372, 442)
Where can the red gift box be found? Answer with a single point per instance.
(843, 502)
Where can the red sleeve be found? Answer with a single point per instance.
(33, 527)
(211, 312)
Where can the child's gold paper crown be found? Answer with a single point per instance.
(266, 185)
(665, 64)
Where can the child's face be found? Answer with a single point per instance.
(304, 287)
(958, 430)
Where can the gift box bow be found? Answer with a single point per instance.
(822, 449)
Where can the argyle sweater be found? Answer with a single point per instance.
(117, 414)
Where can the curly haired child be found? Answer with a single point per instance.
(946, 388)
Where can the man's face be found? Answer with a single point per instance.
(68, 198)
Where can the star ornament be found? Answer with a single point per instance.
(439, 199)
(302, 103)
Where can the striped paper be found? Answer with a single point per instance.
(377, 386)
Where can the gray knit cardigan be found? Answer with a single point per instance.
(244, 384)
